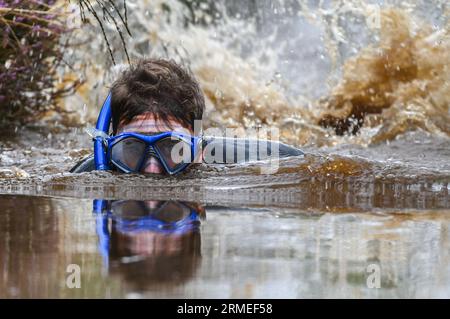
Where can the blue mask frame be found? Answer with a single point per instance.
(193, 141)
(103, 123)
(103, 143)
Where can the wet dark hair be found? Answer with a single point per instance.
(160, 87)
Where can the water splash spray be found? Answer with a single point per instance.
(310, 69)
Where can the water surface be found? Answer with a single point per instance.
(369, 105)
(238, 252)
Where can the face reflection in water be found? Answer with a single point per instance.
(149, 243)
(156, 249)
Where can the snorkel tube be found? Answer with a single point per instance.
(103, 123)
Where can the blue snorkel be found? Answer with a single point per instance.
(103, 123)
(101, 227)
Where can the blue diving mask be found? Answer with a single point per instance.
(128, 152)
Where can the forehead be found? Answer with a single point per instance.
(150, 124)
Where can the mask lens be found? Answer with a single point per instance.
(128, 153)
(174, 152)
(167, 212)
(171, 212)
(129, 208)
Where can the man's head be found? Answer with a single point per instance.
(156, 95)
(159, 89)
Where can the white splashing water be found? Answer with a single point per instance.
(255, 60)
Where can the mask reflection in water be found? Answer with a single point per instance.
(149, 243)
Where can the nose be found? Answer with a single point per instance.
(152, 204)
(153, 166)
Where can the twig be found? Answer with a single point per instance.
(117, 28)
(31, 17)
(94, 13)
(16, 10)
(14, 36)
(125, 9)
(26, 25)
(108, 16)
(120, 16)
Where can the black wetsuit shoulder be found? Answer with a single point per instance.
(220, 150)
(87, 164)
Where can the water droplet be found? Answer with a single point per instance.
(218, 94)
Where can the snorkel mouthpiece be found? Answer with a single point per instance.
(103, 123)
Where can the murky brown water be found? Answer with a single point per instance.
(238, 252)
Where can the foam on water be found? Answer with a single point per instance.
(292, 65)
